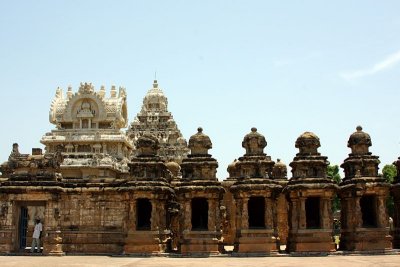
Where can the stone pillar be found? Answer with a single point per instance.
(245, 213)
(382, 218)
(358, 222)
(162, 215)
(294, 206)
(52, 242)
(269, 215)
(302, 211)
(187, 215)
(132, 216)
(211, 214)
(154, 215)
(325, 214)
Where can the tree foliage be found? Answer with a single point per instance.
(389, 172)
(333, 172)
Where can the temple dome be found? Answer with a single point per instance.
(200, 143)
(232, 166)
(254, 143)
(155, 100)
(173, 167)
(147, 145)
(359, 141)
(308, 143)
(279, 170)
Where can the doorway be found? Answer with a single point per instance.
(22, 228)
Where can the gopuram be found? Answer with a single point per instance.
(155, 119)
(99, 189)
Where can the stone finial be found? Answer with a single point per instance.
(199, 144)
(279, 170)
(147, 145)
(359, 142)
(254, 143)
(122, 92)
(69, 92)
(59, 93)
(86, 88)
(113, 91)
(155, 84)
(308, 143)
(102, 92)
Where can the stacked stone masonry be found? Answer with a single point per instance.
(99, 190)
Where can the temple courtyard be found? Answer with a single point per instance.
(87, 261)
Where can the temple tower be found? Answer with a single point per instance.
(155, 119)
(199, 194)
(89, 129)
(149, 192)
(310, 193)
(255, 193)
(363, 194)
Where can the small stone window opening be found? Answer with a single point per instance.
(256, 209)
(199, 214)
(85, 124)
(313, 218)
(368, 210)
(143, 214)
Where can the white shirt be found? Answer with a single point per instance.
(38, 229)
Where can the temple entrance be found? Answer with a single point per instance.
(199, 214)
(143, 211)
(22, 228)
(28, 213)
(313, 213)
(256, 208)
(368, 210)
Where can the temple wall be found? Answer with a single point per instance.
(93, 222)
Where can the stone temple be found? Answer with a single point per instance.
(147, 191)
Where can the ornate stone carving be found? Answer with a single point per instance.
(88, 126)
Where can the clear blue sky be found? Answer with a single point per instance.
(284, 67)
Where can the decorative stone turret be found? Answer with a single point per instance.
(255, 194)
(89, 129)
(254, 163)
(310, 193)
(361, 162)
(279, 171)
(395, 191)
(199, 165)
(149, 193)
(155, 119)
(363, 194)
(200, 194)
(147, 165)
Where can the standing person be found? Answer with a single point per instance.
(37, 233)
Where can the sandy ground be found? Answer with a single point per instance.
(89, 261)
